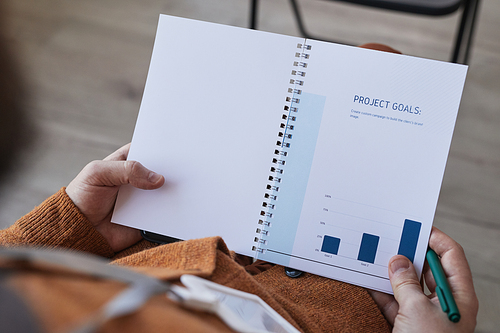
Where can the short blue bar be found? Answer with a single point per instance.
(409, 239)
(330, 244)
(368, 248)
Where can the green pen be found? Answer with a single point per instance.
(443, 290)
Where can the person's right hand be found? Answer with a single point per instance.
(410, 310)
(95, 189)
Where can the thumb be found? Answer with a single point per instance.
(116, 173)
(404, 280)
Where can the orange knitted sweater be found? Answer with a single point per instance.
(60, 300)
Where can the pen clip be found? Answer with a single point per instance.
(442, 299)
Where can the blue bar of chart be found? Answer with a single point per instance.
(409, 239)
(368, 248)
(330, 244)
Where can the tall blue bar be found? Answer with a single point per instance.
(368, 248)
(409, 239)
(330, 244)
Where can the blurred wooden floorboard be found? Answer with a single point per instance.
(86, 62)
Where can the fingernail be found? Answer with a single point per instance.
(400, 265)
(153, 177)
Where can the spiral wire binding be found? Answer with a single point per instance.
(285, 136)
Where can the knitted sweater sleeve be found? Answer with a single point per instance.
(57, 222)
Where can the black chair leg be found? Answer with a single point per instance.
(253, 13)
(465, 32)
(298, 18)
(471, 33)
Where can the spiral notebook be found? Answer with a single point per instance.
(317, 156)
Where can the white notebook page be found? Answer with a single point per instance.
(208, 122)
(378, 163)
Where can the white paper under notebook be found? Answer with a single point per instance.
(321, 157)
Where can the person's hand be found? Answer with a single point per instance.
(379, 47)
(410, 310)
(95, 188)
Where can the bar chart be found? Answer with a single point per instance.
(355, 240)
(368, 247)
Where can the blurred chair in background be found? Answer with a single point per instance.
(464, 34)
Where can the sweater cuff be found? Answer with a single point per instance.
(57, 222)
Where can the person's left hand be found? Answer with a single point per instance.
(95, 188)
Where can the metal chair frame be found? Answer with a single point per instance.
(463, 38)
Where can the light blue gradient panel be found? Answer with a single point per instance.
(295, 176)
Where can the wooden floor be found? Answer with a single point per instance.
(86, 61)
